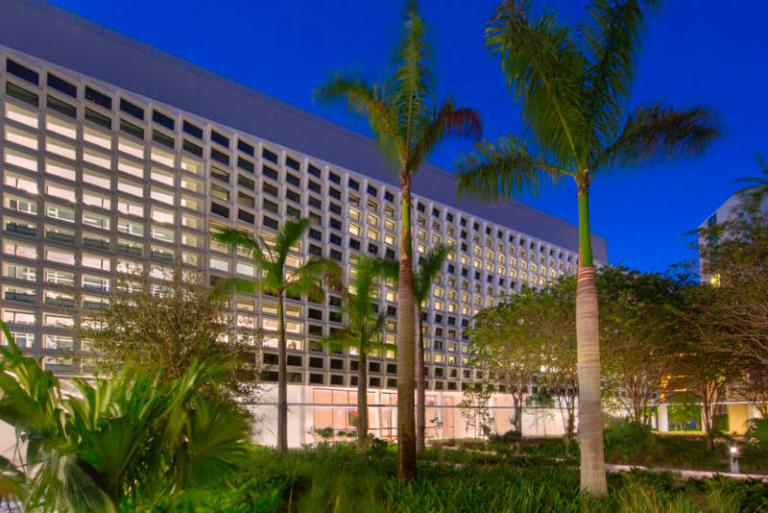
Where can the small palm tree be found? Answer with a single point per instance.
(408, 124)
(364, 329)
(429, 266)
(278, 280)
(574, 82)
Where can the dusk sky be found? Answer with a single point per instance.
(696, 52)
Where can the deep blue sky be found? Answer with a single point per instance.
(696, 52)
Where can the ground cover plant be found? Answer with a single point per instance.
(340, 479)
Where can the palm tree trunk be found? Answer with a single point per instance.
(588, 346)
(362, 402)
(420, 391)
(406, 425)
(282, 378)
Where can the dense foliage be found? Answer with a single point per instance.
(128, 441)
(341, 480)
(167, 325)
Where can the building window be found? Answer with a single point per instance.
(163, 120)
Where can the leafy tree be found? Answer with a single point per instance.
(636, 326)
(552, 316)
(364, 329)
(698, 366)
(474, 408)
(168, 325)
(129, 440)
(574, 84)
(735, 254)
(505, 341)
(279, 280)
(408, 123)
(429, 265)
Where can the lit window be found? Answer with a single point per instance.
(19, 249)
(96, 262)
(218, 264)
(21, 182)
(20, 272)
(20, 204)
(21, 115)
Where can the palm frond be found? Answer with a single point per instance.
(261, 253)
(217, 439)
(369, 100)
(288, 236)
(545, 69)
(756, 187)
(656, 132)
(308, 279)
(505, 169)
(447, 121)
(412, 83)
(429, 266)
(613, 43)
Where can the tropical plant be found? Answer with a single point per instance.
(277, 279)
(755, 187)
(131, 439)
(408, 123)
(429, 266)
(574, 83)
(168, 325)
(364, 329)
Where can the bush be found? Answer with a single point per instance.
(628, 441)
(757, 432)
(510, 437)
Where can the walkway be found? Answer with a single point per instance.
(696, 474)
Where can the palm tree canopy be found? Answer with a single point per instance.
(364, 325)
(429, 266)
(402, 110)
(574, 83)
(756, 187)
(271, 261)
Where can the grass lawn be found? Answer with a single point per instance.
(338, 479)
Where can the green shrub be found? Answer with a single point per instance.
(757, 432)
(628, 441)
(341, 480)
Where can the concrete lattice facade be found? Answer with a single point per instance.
(98, 178)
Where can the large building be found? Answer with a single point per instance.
(115, 154)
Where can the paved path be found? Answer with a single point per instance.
(697, 474)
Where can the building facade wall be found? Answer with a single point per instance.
(100, 178)
(98, 181)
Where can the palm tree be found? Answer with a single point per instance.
(574, 83)
(755, 187)
(409, 123)
(364, 329)
(278, 280)
(429, 266)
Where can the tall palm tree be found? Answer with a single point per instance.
(574, 83)
(364, 329)
(278, 280)
(409, 123)
(429, 265)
